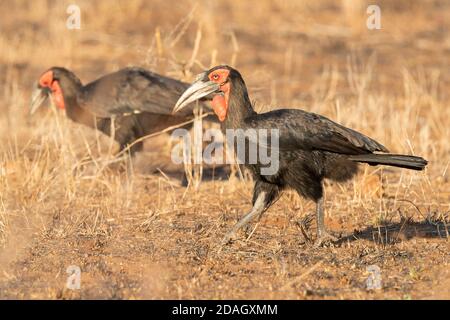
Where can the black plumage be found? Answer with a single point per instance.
(311, 147)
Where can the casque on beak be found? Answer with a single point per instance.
(199, 89)
(38, 97)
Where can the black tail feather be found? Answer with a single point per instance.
(395, 160)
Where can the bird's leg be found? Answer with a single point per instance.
(258, 208)
(112, 134)
(322, 234)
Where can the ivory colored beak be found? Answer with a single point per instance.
(38, 97)
(196, 91)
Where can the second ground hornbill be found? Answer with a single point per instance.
(139, 101)
(311, 147)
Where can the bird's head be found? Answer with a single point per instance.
(215, 85)
(50, 83)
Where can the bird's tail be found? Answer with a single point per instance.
(395, 160)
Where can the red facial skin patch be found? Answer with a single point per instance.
(220, 102)
(47, 81)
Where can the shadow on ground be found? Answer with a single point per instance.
(396, 232)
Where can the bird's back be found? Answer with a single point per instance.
(133, 90)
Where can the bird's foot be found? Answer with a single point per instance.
(229, 237)
(232, 235)
(325, 238)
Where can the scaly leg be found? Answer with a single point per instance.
(112, 134)
(264, 195)
(258, 208)
(322, 235)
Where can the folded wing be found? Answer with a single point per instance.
(299, 129)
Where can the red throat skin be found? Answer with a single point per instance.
(57, 95)
(220, 106)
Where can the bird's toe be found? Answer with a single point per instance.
(325, 239)
(229, 238)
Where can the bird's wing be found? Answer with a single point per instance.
(133, 90)
(299, 129)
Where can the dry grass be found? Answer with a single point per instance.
(140, 234)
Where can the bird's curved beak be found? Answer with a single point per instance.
(199, 89)
(38, 97)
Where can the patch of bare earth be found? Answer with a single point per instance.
(158, 253)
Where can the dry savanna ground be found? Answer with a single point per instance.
(137, 232)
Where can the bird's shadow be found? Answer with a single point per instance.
(220, 173)
(391, 233)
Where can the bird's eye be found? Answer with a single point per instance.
(215, 77)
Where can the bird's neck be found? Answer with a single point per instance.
(72, 107)
(71, 91)
(239, 108)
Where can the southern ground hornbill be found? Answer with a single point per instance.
(139, 101)
(311, 147)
